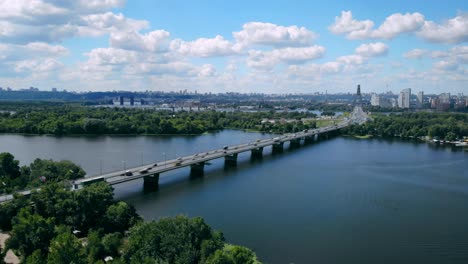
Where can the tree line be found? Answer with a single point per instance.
(74, 119)
(39, 172)
(447, 126)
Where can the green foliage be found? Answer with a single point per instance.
(9, 166)
(38, 173)
(119, 217)
(111, 243)
(93, 202)
(66, 248)
(30, 232)
(232, 254)
(447, 126)
(171, 240)
(55, 171)
(36, 257)
(72, 119)
(9, 210)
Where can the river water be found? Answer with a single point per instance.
(341, 200)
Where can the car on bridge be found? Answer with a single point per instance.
(145, 170)
(128, 173)
(178, 161)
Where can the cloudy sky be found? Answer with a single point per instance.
(235, 46)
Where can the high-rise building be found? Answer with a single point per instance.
(132, 100)
(375, 99)
(404, 98)
(121, 99)
(420, 98)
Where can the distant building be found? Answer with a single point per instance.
(404, 98)
(420, 99)
(54, 90)
(121, 99)
(132, 100)
(375, 99)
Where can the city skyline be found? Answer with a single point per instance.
(260, 47)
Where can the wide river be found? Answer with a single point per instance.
(336, 201)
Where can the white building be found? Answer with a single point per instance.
(375, 99)
(404, 98)
(420, 99)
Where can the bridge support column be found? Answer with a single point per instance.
(197, 169)
(230, 160)
(151, 182)
(277, 147)
(294, 143)
(257, 152)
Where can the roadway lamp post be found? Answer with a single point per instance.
(124, 164)
(100, 166)
(164, 154)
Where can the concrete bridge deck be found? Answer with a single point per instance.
(197, 161)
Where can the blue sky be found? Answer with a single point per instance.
(243, 46)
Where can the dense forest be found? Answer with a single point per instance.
(73, 119)
(448, 126)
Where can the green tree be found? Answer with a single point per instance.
(66, 248)
(36, 257)
(94, 248)
(171, 240)
(30, 232)
(119, 217)
(232, 254)
(9, 167)
(111, 244)
(93, 201)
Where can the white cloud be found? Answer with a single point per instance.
(351, 59)
(415, 54)
(397, 24)
(393, 26)
(372, 49)
(444, 65)
(345, 24)
(45, 65)
(268, 59)
(24, 21)
(453, 31)
(104, 23)
(152, 41)
(111, 56)
(204, 47)
(268, 34)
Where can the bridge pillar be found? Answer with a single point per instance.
(277, 147)
(197, 169)
(257, 152)
(295, 143)
(230, 160)
(151, 182)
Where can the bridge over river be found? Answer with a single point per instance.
(151, 172)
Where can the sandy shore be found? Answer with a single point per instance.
(10, 256)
